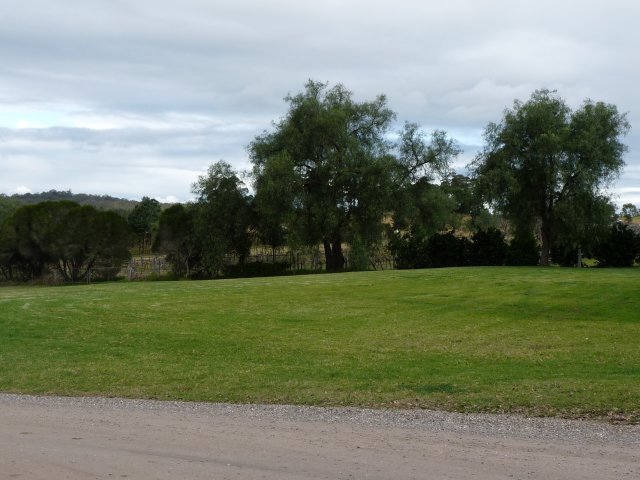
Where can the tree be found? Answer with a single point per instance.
(629, 211)
(70, 238)
(542, 159)
(143, 219)
(328, 171)
(275, 188)
(176, 238)
(331, 147)
(223, 216)
(580, 225)
(10, 258)
(7, 207)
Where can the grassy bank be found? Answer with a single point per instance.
(542, 341)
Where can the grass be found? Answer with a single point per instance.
(538, 341)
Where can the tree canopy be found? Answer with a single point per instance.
(328, 173)
(72, 238)
(545, 167)
(143, 220)
(222, 217)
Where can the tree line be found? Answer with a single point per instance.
(333, 174)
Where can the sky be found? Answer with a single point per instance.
(134, 98)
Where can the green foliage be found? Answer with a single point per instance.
(426, 209)
(523, 250)
(409, 249)
(460, 189)
(527, 340)
(413, 250)
(222, 218)
(629, 212)
(327, 173)
(11, 262)
(275, 186)
(580, 226)
(543, 159)
(447, 250)
(70, 238)
(176, 238)
(100, 202)
(143, 220)
(7, 207)
(488, 247)
(325, 156)
(619, 249)
(257, 269)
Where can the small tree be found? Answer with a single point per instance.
(176, 238)
(629, 212)
(223, 216)
(69, 238)
(143, 220)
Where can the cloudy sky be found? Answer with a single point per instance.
(137, 97)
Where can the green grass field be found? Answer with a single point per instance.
(540, 341)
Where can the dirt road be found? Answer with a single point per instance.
(86, 438)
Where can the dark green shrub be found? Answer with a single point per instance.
(256, 269)
(619, 249)
(409, 250)
(488, 247)
(447, 250)
(523, 250)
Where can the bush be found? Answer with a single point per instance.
(256, 269)
(488, 247)
(620, 249)
(409, 250)
(447, 250)
(523, 250)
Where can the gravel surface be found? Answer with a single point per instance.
(496, 425)
(104, 438)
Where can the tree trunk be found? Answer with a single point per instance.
(328, 257)
(579, 263)
(338, 257)
(545, 236)
(333, 253)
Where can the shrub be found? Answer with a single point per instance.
(619, 249)
(523, 250)
(488, 247)
(256, 269)
(447, 250)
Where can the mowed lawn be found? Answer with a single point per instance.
(541, 341)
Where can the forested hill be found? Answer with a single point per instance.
(101, 202)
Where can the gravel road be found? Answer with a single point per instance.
(87, 438)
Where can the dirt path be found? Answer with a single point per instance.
(71, 438)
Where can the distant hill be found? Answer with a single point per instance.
(101, 202)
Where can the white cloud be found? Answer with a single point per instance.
(21, 190)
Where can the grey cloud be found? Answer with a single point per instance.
(200, 78)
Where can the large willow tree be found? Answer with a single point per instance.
(546, 167)
(328, 173)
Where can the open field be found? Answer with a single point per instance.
(540, 341)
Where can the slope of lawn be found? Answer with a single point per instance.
(540, 341)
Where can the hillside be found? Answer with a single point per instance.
(101, 202)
